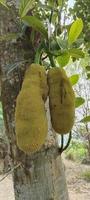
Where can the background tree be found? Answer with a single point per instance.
(82, 113)
(81, 9)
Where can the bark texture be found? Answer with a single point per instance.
(40, 176)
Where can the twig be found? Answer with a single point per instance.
(69, 139)
(10, 171)
(62, 148)
(62, 142)
(44, 57)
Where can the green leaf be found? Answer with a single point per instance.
(25, 6)
(75, 31)
(9, 36)
(63, 59)
(74, 79)
(85, 119)
(54, 46)
(36, 24)
(62, 43)
(76, 53)
(60, 2)
(54, 18)
(88, 68)
(79, 101)
(88, 75)
(51, 3)
(3, 2)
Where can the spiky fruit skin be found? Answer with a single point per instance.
(30, 117)
(61, 101)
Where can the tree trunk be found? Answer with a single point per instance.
(43, 179)
(39, 176)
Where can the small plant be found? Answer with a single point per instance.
(76, 151)
(86, 175)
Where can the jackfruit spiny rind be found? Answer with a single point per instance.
(30, 117)
(41, 72)
(61, 101)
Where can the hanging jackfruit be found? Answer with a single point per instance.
(61, 101)
(30, 117)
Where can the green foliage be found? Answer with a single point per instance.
(74, 79)
(36, 24)
(86, 175)
(75, 30)
(88, 75)
(86, 119)
(76, 53)
(60, 2)
(82, 10)
(3, 2)
(76, 151)
(79, 101)
(88, 68)
(62, 43)
(55, 3)
(31, 14)
(25, 6)
(88, 71)
(63, 59)
(60, 51)
(51, 3)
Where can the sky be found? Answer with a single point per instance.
(71, 3)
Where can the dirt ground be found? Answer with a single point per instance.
(78, 188)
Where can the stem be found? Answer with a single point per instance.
(50, 19)
(62, 142)
(51, 60)
(46, 48)
(69, 139)
(61, 149)
(38, 53)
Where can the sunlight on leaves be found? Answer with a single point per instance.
(76, 53)
(63, 59)
(79, 101)
(74, 79)
(25, 6)
(75, 31)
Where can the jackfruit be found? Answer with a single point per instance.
(61, 101)
(30, 117)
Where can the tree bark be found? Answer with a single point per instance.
(39, 176)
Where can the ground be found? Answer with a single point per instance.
(78, 188)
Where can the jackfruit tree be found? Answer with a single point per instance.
(38, 172)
